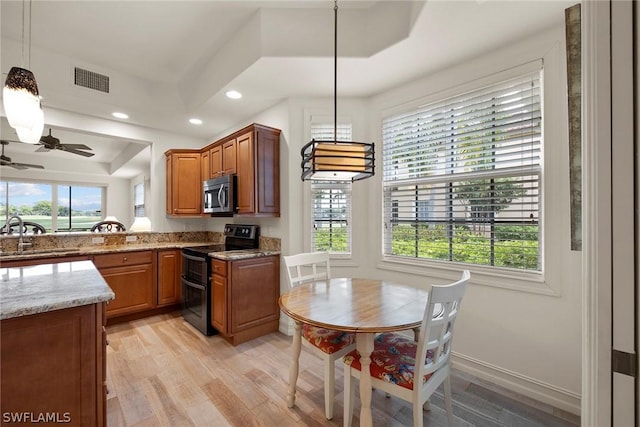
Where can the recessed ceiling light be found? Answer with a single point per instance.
(120, 115)
(234, 94)
(195, 121)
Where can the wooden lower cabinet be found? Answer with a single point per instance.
(245, 297)
(54, 366)
(132, 278)
(169, 271)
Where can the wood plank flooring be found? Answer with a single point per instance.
(163, 372)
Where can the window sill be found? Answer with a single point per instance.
(532, 282)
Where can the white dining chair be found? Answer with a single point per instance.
(328, 344)
(397, 360)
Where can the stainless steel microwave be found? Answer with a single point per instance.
(219, 195)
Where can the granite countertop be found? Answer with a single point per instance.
(48, 287)
(242, 254)
(94, 250)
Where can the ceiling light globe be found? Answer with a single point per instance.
(119, 115)
(233, 94)
(33, 135)
(195, 121)
(21, 98)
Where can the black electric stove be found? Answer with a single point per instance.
(196, 273)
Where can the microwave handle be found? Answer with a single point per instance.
(220, 197)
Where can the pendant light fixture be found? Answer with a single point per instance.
(21, 98)
(337, 160)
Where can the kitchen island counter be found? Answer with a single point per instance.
(48, 287)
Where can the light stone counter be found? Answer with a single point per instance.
(48, 287)
(242, 254)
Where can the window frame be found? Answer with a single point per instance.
(553, 105)
(55, 198)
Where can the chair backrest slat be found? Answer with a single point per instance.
(437, 325)
(307, 267)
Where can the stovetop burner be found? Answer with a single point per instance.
(237, 237)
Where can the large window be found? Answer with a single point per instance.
(138, 200)
(331, 201)
(56, 207)
(461, 177)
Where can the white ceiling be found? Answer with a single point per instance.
(171, 60)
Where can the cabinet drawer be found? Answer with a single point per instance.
(123, 259)
(219, 267)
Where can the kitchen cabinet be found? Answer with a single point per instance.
(245, 297)
(216, 161)
(132, 277)
(184, 183)
(205, 165)
(229, 157)
(55, 363)
(169, 271)
(258, 171)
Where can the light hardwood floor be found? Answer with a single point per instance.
(163, 372)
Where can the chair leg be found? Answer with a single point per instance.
(447, 400)
(349, 396)
(295, 364)
(329, 386)
(417, 414)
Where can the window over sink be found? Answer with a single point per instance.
(57, 207)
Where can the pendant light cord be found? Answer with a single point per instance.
(29, 64)
(22, 33)
(335, 72)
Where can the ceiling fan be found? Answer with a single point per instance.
(6, 161)
(49, 142)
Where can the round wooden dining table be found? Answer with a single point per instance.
(363, 306)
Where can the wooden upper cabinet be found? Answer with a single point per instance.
(229, 157)
(252, 154)
(215, 153)
(205, 165)
(258, 171)
(184, 183)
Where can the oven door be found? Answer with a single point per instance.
(195, 268)
(194, 305)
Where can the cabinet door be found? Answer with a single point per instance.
(268, 170)
(185, 196)
(133, 288)
(245, 173)
(219, 303)
(216, 161)
(169, 270)
(51, 363)
(229, 157)
(255, 288)
(205, 165)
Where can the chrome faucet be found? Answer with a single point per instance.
(21, 242)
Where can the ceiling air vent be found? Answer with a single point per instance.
(90, 80)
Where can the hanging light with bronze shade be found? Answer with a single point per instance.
(21, 98)
(337, 160)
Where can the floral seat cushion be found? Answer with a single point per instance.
(392, 359)
(327, 340)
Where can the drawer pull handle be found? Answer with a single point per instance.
(124, 258)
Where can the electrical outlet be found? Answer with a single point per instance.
(131, 238)
(97, 240)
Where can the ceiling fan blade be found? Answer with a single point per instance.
(42, 149)
(6, 141)
(25, 166)
(81, 153)
(76, 146)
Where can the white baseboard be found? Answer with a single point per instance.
(518, 383)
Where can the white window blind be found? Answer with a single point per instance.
(331, 201)
(461, 177)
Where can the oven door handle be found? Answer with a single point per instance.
(193, 284)
(194, 258)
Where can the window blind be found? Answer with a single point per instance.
(331, 200)
(461, 177)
